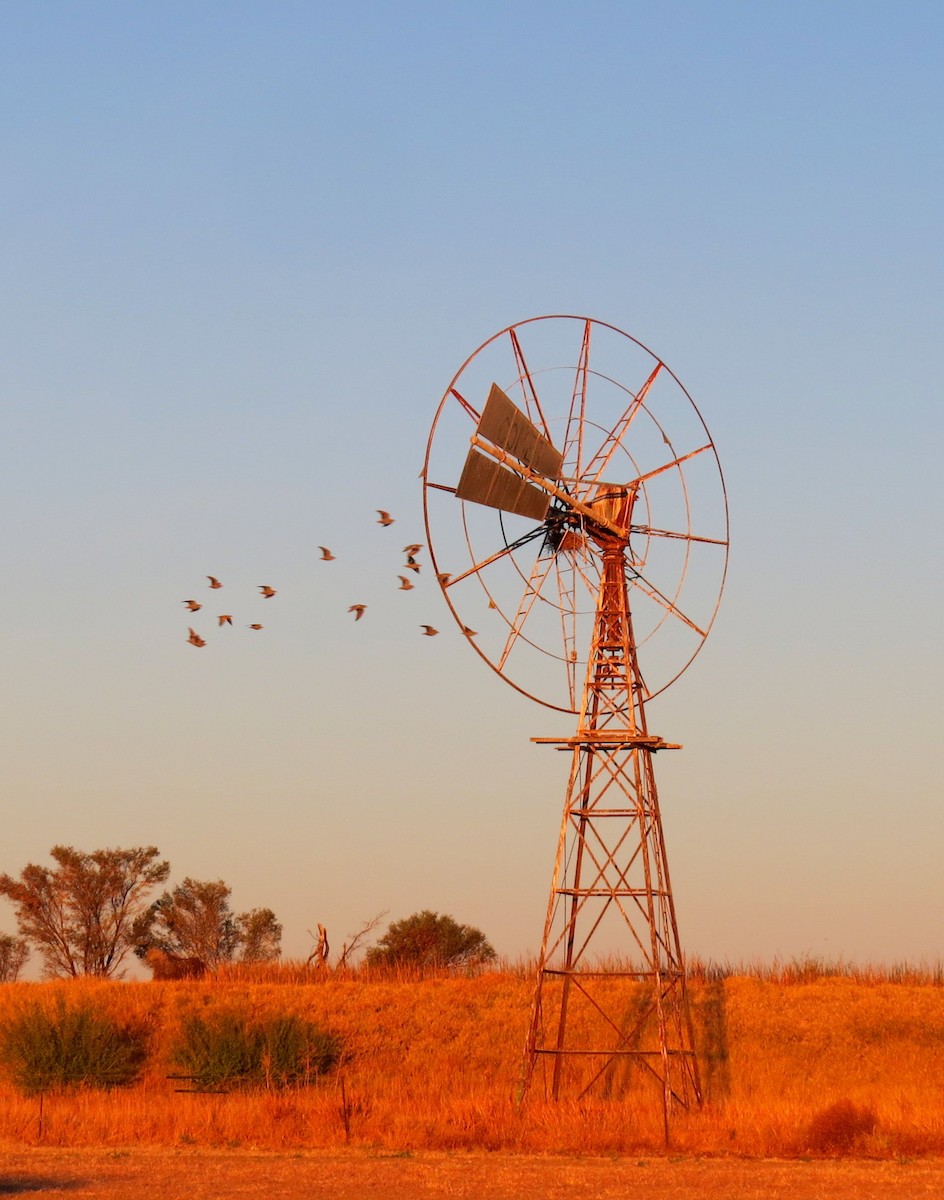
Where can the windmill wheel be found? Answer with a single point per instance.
(556, 437)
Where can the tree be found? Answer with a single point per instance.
(260, 935)
(195, 921)
(427, 939)
(79, 914)
(14, 951)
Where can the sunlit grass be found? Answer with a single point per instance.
(432, 1061)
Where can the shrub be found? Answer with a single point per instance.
(836, 1129)
(227, 1050)
(69, 1048)
(430, 940)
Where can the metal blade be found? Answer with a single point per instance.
(486, 482)
(506, 425)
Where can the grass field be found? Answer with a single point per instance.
(433, 1065)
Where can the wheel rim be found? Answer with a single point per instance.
(619, 415)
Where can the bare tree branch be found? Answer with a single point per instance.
(355, 940)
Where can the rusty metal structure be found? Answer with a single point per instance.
(582, 527)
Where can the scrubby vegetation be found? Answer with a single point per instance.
(47, 1047)
(229, 1050)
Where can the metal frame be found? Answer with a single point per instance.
(597, 1023)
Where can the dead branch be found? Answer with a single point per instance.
(355, 940)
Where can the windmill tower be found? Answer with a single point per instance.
(587, 518)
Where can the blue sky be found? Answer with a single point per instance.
(245, 248)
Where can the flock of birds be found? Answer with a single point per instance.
(195, 606)
(267, 592)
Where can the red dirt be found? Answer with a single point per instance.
(210, 1175)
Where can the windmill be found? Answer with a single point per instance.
(576, 516)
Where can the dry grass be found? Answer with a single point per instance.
(433, 1063)
(358, 1175)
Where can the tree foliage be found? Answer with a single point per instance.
(195, 920)
(428, 939)
(260, 935)
(80, 914)
(14, 951)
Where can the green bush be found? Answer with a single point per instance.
(226, 1050)
(429, 940)
(69, 1047)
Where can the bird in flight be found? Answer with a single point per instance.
(415, 548)
(411, 563)
(405, 585)
(254, 626)
(326, 554)
(268, 592)
(468, 632)
(214, 582)
(444, 577)
(225, 619)
(384, 517)
(429, 631)
(357, 610)
(192, 605)
(195, 639)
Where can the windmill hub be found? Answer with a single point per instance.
(614, 506)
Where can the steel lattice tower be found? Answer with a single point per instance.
(611, 884)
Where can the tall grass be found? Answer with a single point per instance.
(810, 969)
(796, 1059)
(802, 969)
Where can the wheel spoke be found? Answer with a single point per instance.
(653, 593)
(592, 585)
(530, 393)
(567, 595)
(494, 558)
(611, 442)
(674, 463)
(648, 531)
(476, 416)
(531, 592)
(578, 406)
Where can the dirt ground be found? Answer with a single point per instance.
(208, 1175)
